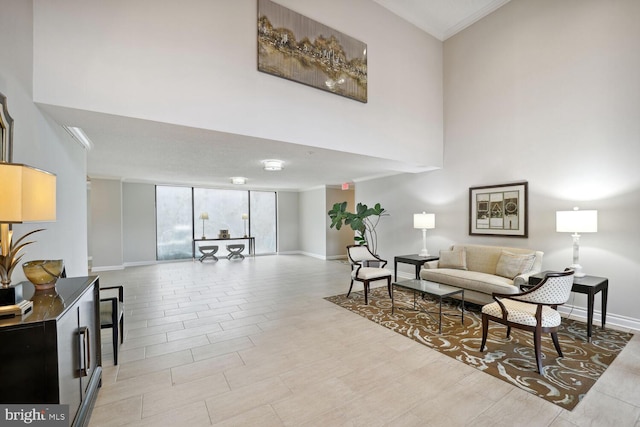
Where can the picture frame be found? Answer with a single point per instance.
(297, 48)
(499, 210)
(6, 131)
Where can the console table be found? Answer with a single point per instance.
(52, 355)
(588, 285)
(250, 240)
(414, 259)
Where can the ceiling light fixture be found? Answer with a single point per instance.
(79, 135)
(273, 165)
(238, 180)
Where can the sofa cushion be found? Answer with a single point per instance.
(511, 265)
(456, 259)
(481, 282)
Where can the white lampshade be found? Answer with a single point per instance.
(204, 215)
(424, 220)
(577, 221)
(27, 194)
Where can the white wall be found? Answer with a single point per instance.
(39, 142)
(288, 222)
(547, 92)
(193, 63)
(311, 217)
(106, 245)
(138, 223)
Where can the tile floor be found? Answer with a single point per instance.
(253, 343)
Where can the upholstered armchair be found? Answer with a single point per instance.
(533, 310)
(360, 258)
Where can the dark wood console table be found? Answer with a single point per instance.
(52, 355)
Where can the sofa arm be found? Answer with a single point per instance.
(523, 279)
(430, 264)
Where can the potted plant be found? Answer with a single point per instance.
(363, 221)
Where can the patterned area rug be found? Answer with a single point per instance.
(566, 379)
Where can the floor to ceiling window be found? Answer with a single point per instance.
(185, 213)
(174, 222)
(263, 220)
(224, 209)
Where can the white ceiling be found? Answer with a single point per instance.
(143, 151)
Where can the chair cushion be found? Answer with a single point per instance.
(511, 265)
(368, 273)
(106, 318)
(523, 313)
(456, 259)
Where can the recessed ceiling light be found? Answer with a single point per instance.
(238, 180)
(273, 165)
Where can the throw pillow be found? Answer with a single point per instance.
(511, 265)
(453, 259)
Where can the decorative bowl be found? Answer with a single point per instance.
(43, 273)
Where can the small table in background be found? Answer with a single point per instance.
(414, 259)
(588, 285)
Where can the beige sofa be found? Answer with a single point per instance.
(481, 270)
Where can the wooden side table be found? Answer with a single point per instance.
(588, 285)
(414, 259)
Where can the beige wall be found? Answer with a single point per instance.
(547, 92)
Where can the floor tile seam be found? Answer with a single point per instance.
(621, 399)
(170, 409)
(156, 329)
(175, 350)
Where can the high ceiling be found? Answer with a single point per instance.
(143, 151)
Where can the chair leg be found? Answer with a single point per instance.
(114, 328)
(556, 343)
(389, 285)
(350, 286)
(366, 293)
(508, 331)
(485, 329)
(537, 343)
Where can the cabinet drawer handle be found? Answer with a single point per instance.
(85, 345)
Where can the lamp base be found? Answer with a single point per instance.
(424, 253)
(23, 308)
(11, 295)
(577, 270)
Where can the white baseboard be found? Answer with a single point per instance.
(139, 263)
(107, 268)
(580, 313)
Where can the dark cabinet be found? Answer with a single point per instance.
(53, 354)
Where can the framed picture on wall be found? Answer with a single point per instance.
(499, 210)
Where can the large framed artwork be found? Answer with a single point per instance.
(297, 48)
(499, 210)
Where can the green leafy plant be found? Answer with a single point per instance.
(9, 261)
(363, 221)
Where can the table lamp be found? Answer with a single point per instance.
(245, 217)
(577, 221)
(204, 216)
(425, 221)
